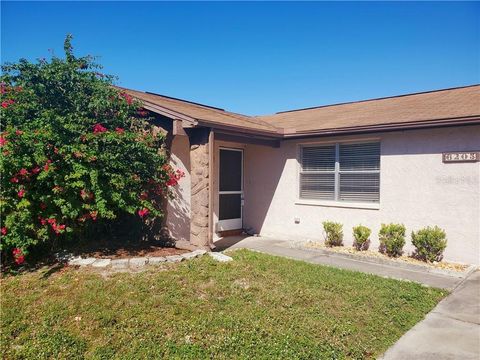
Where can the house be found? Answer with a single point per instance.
(411, 159)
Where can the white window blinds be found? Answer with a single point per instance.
(317, 178)
(359, 172)
(341, 172)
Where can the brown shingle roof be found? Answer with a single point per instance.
(203, 113)
(435, 105)
(428, 108)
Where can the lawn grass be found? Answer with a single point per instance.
(257, 306)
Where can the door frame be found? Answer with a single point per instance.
(230, 224)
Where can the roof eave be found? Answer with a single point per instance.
(275, 133)
(471, 120)
(168, 113)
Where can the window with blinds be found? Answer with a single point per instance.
(341, 172)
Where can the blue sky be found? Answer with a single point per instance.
(259, 58)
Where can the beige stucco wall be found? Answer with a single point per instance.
(178, 208)
(416, 189)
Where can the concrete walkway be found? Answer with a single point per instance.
(284, 248)
(450, 331)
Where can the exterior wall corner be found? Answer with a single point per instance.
(200, 188)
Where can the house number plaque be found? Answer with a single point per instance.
(462, 156)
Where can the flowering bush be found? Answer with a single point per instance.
(74, 150)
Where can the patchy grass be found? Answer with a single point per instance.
(257, 306)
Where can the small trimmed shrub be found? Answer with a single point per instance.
(361, 235)
(429, 243)
(333, 233)
(392, 239)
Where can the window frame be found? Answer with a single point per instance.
(336, 202)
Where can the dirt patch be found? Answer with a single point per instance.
(129, 252)
(242, 283)
(123, 249)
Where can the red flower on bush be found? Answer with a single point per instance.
(143, 212)
(18, 256)
(99, 128)
(119, 130)
(14, 180)
(21, 193)
(58, 229)
(86, 195)
(35, 170)
(128, 98)
(47, 165)
(3, 141)
(174, 177)
(7, 103)
(23, 172)
(4, 231)
(18, 132)
(172, 181)
(180, 174)
(93, 215)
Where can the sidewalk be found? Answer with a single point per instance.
(450, 331)
(284, 248)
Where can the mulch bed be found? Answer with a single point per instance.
(123, 248)
(101, 249)
(125, 253)
(375, 254)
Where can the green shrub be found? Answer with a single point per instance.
(392, 239)
(361, 235)
(429, 243)
(333, 233)
(74, 151)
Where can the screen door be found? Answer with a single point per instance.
(230, 189)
